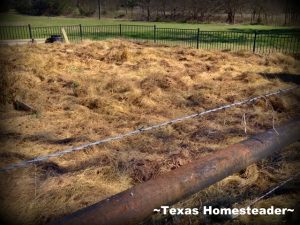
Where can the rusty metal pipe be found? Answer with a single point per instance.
(138, 202)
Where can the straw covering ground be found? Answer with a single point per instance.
(89, 91)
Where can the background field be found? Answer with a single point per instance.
(266, 40)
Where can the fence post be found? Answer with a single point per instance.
(30, 33)
(120, 30)
(198, 38)
(154, 34)
(80, 29)
(254, 42)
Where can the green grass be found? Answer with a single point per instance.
(16, 19)
(212, 36)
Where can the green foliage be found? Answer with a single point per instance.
(131, 3)
(24, 6)
(86, 8)
(58, 7)
(5, 5)
(39, 7)
(44, 7)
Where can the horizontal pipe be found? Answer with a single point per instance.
(137, 203)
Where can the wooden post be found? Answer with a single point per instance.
(65, 35)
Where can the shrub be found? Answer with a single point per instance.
(86, 8)
(24, 6)
(44, 7)
(5, 5)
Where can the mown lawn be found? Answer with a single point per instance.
(211, 36)
(15, 19)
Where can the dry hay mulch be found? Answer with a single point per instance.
(85, 92)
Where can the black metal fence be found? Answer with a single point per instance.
(256, 41)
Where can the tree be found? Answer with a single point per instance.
(176, 10)
(44, 7)
(146, 6)
(131, 4)
(24, 6)
(58, 7)
(39, 7)
(86, 8)
(5, 5)
(231, 8)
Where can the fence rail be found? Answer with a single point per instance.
(256, 41)
(139, 202)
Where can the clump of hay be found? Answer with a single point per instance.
(116, 55)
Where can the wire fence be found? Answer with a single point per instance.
(255, 41)
(269, 193)
(141, 130)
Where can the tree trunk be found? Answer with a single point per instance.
(195, 14)
(253, 16)
(143, 11)
(230, 17)
(148, 13)
(266, 18)
(259, 17)
(173, 13)
(202, 15)
(286, 12)
(164, 8)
